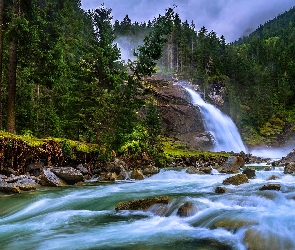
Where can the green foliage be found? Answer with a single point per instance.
(274, 126)
(173, 149)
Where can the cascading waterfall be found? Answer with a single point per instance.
(220, 126)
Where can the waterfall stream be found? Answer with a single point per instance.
(220, 126)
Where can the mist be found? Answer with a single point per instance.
(231, 18)
(272, 153)
(127, 45)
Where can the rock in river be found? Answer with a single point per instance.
(141, 204)
(236, 179)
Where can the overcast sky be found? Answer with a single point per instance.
(231, 18)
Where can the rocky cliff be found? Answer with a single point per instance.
(181, 120)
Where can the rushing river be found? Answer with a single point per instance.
(84, 217)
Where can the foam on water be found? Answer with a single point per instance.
(84, 217)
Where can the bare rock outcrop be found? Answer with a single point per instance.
(180, 119)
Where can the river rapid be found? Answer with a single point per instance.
(83, 217)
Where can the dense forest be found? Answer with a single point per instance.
(62, 73)
(255, 75)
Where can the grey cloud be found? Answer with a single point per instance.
(231, 18)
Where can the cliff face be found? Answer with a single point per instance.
(180, 119)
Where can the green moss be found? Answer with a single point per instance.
(69, 147)
(177, 149)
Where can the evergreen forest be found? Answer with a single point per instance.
(62, 74)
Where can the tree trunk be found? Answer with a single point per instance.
(1, 57)
(11, 89)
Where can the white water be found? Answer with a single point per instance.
(84, 217)
(220, 126)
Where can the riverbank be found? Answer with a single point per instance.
(27, 163)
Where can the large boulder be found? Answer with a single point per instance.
(275, 187)
(24, 182)
(289, 157)
(68, 174)
(232, 165)
(250, 173)
(20, 182)
(187, 209)
(9, 187)
(48, 178)
(193, 170)
(266, 239)
(236, 179)
(136, 175)
(142, 204)
(289, 168)
(233, 224)
(220, 190)
(150, 170)
(117, 169)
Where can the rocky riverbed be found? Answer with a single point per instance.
(40, 175)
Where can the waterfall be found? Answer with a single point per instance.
(220, 126)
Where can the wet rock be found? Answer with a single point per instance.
(9, 187)
(48, 178)
(150, 170)
(236, 179)
(205, 169)
(256, 239)
(232, 165)
(193, 170)
(232, 224)
(108, 177)
(268, 168)
(220, 190)
(187, 209)
(68, 174)
(289, 168)
(289, 157)
(276, 187)
(250, 173)
(273, 177)
(136, 175)
(141, 204)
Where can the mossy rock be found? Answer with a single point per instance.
(142, 204)
(236, 179)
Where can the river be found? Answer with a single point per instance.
(83, 217)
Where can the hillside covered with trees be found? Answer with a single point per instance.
(62, 74)
(254, 75)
